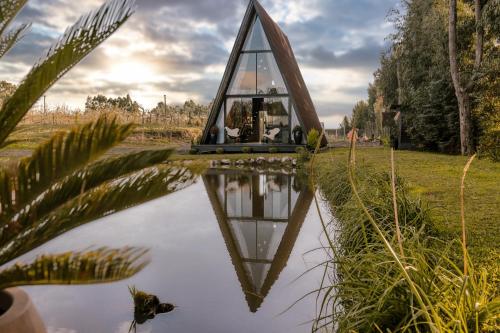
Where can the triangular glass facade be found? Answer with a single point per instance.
(256, 103)
(256, 40)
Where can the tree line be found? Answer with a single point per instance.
(442, 72)
(190, 113)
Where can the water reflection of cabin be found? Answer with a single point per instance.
(260, 216)
(263, 96)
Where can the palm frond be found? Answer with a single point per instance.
(79, 182)
(12, 37)
(5, 194)
(91, 266)
(64, 153)
(109, 198)
(8, 11)
(9, 142)
(77, 42)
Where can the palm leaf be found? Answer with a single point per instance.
(81, 181)
(106, 199)
(5, 194)
(77, 42)
(14, 36)
(8, 11)
(64, 153)
(92, 266)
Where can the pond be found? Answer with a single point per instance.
(227, 251)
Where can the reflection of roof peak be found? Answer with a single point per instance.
(253, 294)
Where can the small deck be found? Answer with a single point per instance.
(238, 147)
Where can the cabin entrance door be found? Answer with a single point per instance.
(257, 119)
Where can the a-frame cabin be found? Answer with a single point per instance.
(262, 100)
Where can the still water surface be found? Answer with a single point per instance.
(226, 251)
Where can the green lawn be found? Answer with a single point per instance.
(436, 179)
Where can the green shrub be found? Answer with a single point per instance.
(196, 140)
(246, 150)
(193, 151)
(489, 145)
(219, 151)
(273, 150)
(303, 155)
(312, 139)
(385, 141)
(299, 150)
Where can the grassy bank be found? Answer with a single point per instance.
(373, 282)
(436, 179)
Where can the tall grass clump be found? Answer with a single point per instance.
(388, 272)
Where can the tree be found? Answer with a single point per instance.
(101, 103)
(66, 182)
(362, 117)
(462, 89)
(346, 125)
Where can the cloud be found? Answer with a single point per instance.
(365, 57)
(180, 47)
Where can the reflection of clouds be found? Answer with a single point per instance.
(60, 330)
(125, 326)
(190, 267)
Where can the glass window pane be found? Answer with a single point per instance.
(275, 127)
(243, 80)
(269, 79)
(256, 39)
(295, 122)
(239, 120)
(220, 125)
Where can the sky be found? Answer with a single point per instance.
(180, 48)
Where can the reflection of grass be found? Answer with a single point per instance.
(436, 178)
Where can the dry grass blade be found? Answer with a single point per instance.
(462, 211)
(395, 204)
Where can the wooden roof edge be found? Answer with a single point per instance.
(287, 62)
(230, 67)
(288, 240)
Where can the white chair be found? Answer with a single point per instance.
(271, 135)
(233, 133)
(232, 186)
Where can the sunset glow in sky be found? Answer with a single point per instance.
(180, 48)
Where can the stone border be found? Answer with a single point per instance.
(284, 162)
